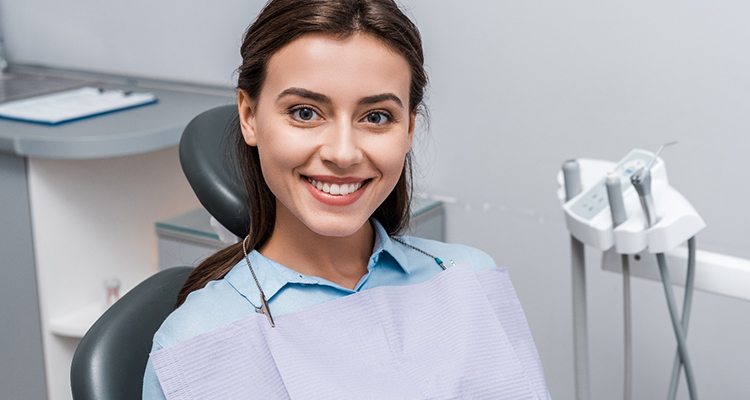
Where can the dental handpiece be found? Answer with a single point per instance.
(641, 181)
(572, 179)
(574, 186)
(619, 215)
(616, 203)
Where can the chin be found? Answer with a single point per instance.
(339, 226)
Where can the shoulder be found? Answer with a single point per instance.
(206, 309)
(460, 254)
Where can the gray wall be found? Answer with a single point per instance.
(516, 88)
(172, 39)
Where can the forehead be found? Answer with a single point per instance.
(343, 69)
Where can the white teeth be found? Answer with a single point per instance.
(334, 188)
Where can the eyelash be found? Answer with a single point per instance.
(386, 114)
(292, 112)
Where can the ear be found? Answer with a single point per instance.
(412, 123)
(246, 108)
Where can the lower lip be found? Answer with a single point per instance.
(332, 200)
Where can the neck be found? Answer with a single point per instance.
(342, 260)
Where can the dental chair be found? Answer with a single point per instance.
(109, 362)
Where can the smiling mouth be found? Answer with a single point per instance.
(337, 189)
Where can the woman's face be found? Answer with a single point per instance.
(333, 127)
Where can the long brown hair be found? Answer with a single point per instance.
(280, 22)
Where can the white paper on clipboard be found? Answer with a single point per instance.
(69, 105)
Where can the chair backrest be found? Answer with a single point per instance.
(207, 156)
(110, 359)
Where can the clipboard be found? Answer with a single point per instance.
(73, 105)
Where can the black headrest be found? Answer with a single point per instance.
(208, 161)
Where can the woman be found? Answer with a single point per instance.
(328, 95)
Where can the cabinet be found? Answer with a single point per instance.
(78, 206)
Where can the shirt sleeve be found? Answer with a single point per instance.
(151, 386)
(480, 260)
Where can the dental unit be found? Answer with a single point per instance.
(628, 208)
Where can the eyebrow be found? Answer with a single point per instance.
(319, 97)
(381, 97)
(308, 94)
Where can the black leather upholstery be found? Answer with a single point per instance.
(207, 158)
(111, 358)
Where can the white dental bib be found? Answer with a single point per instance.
(460, 335)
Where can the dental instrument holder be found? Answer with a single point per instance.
(589, 219)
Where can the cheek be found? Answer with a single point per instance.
(280, 153)
(389, 159)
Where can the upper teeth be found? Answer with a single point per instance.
(335, 188)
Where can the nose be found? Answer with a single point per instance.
(341, 146)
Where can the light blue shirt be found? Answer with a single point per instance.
(235, 296)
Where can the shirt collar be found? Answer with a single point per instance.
(384, 243)
(273, 276)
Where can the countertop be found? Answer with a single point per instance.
(138, 130)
